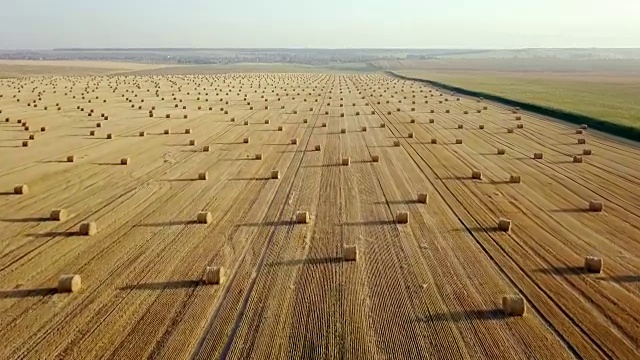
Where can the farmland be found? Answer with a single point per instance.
(428, 288)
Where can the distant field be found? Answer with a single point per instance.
(611, 97)
(20, 68)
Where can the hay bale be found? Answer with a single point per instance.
(326, 113)
(396, 143)
(275, 174)
(423, 198)
(593, 264)
(346, 161)
(596, 206)
(168, 116)
(579, 131)
(25, 143)
(88, 228)
(504, 225)
(501, 151)
(280, 128)
(434, 141)
(410, 135)
(447, 111)
(109, 136)
(382, 125)
(513, 305)
(246, 122)
(466, 112)
(203, 175)
(587, 152)
(167, 131)
(71, 158)
(364, 128)
(476, 175)
(375, 158)
(412, 121)
(258, 156)
(518, 117)
(458, 141)
(125, 161)
(460, 126)
(206, 148)
(350, 253)
(142, 133)
(294, 141)
(324, 125)
(58, 215)
(538, 156)
(520, 126)
(485, 108)
(577, 159)
(187, 131)
(584, 127)
(402, 217)
(204, 217)
(69, 283)
(582, 141)
(267, 122)
(515, 179)
(317, 147)
(32, 137)
(43, 128)
(245, 140)
(213, 275)
(510, 131)
(302, 217)
(343, 131)
(21, 189)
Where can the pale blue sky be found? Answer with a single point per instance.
(44, 24)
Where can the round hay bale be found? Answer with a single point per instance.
(410, 135)
(185, 116)
(32, 137)
(460, 126)
(593, 264)
(364, 128)
(510, 131)
(504, 225)
(280, 128)
(579, 131)
(520, 126)
(206, 148)
(432, 111)
(317, 147)
(515, 179)
(587, 152)
(27, 128)
(382, 125)
(596, 206)
(43, 129)
(577, 159)
(294, 141)
(21, 189)
(267, 122)
(518, 117)
(476, 175)
(275, 174)
(187, 131)
(109, 136)
(302, 217)
(423, 198)
(25, 143)
(343, 130)
(203, 175)
(142, 133)
(168, 116)
(447, 111)
(458, 141)
(501, 151)
(538, 156)
(69, 283)
(304, 121)
(167, 131)
(375, 158)
(582, 141)
(346, 161)
(466, 112)
(326, 113)
(71, 158)
(396, 143)
(350, 253)
(193, 142)
(245, 140)
(513, 305)
(88, 228)
(412, 121)
(125, 161)
(324, 125)
(485, 108)
(204, 217)
(213, 275)
(246, 122)
(402, 217)
(258, 156)
(58, 215)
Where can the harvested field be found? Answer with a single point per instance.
(162, 279)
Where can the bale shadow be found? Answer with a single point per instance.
(26, 220)
(180, 180)
(7, 193)
(191, 151)
(322, 166)
(460, 316)
(562, 270)
(163, 285)
(27, 293)
(473, 229)
(624, 278)
(494, 182)
(52, 161)
(51, 234)
(255, 178)
(107, 164)
(569, 211)
(370, 222)
(460, 178)
(294, 151)
(396, 202)
(270, 223)
(10, 146)
(168, 223)
(306, 261)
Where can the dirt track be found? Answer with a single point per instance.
(428, 289)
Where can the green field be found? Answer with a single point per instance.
(614, 98)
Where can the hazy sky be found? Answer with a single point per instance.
(45, 24)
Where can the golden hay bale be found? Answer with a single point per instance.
(423, 198)
(402, 217)
(267, 122)
(206, 148)
(142, 133)
(109, 136)
(187, 131)
(302, 217)
(587, 152)
(25, 143)
(582, 141)
(280, 128)
(396, 143)
(596, 206)
(43, 129)
(510, 131)
(513, 305)
(520, 126)
(458, 141)
(324, 124)
(432, 111)
(593, 264)
(410, 135)
(350, 253)
(518, 117)
(58, 215)
(22, 189)
(304, 121)
(447, 111)
(343, 131)
(538, 156)
(460, 126)
(125, 161)
(466, 112)
(375, 158)
(294, 141)
(167, 131)
(204, 217)
(203, 175)
(213, 275)
(32, 137)
(71, 158)
(186, 116)
(504, 225)
(412, 121)
(258, 156)
(364, 128)
(317, 147)
(246, 140)
(476, 174)
(69, 283)
(246, 122)
(346, 161)
(577, 159)
(501, 151)
(515, 179)
(275, 174)
(326, 113)
(88, 228)
(579, 131)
